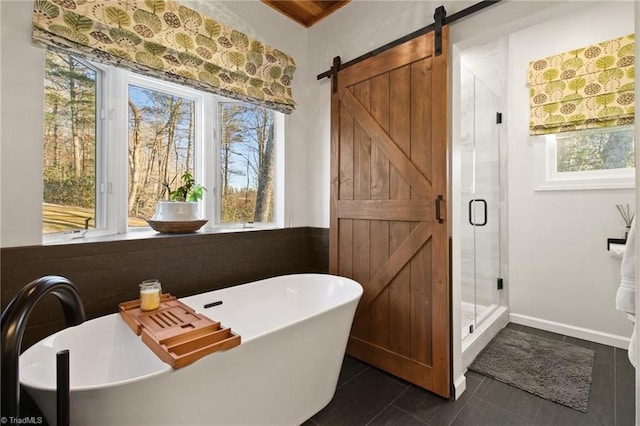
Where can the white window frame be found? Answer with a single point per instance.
(101, 169)
(552, 180)
(112, 145)
(200, 161)
(278, 176)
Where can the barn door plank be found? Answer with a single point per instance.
(362, 191)
(379, 316)
(399, 230)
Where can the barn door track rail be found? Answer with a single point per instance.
(440, 18)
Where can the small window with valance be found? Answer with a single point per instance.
(589, 87)
(583, 100)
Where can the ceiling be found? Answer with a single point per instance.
(306, 12)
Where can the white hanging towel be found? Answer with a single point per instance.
(626, 295)
(632, 343)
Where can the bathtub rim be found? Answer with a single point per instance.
(356, 297)
(166, 368)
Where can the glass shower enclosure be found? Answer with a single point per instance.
(480, 202)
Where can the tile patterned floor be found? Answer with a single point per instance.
(368, 396)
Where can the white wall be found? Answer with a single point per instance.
(22, 79)
(22, 82)
(637, 246)
(559, 269)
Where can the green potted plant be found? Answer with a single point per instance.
(180, 214)
(189, 191)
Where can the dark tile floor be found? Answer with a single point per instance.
(368, 396)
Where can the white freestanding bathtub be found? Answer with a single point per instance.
(294, 332)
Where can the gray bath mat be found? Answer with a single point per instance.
(553, 370)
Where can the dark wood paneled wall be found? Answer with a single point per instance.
(107, 273)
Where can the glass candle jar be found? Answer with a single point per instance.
(150, 291)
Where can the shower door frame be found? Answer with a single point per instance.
(487, 120)
(464, 351)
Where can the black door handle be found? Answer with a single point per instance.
(439, 201)
(471, 222)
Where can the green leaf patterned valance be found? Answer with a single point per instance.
(166, 40)
(590, 87)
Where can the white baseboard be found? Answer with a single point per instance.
(571, 330)
(459, 386)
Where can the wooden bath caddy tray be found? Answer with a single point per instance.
(175, 332)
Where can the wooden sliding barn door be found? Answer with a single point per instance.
(388, 169)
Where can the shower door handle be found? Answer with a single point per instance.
(471, 220)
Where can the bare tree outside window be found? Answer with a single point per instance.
(595, 150)
(161, 148)
(69, 144)
(247, 163)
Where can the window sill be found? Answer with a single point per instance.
(148, 233)
(579, 185)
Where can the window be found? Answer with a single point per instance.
(247, 166)
(70, 144)
(153, 131)
(161, 148)
(595, 150)
(590, 159)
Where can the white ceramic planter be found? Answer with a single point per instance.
(176, 211)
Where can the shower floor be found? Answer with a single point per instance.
(468, 314)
